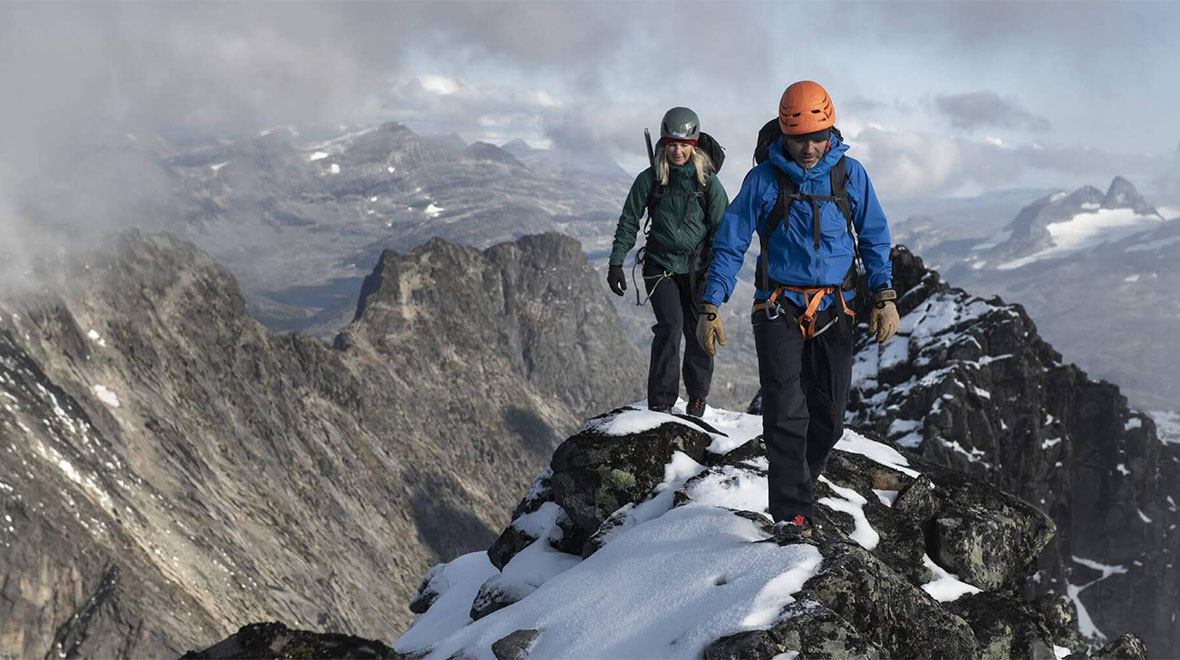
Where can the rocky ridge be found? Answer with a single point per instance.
(171, 469)
(910, 559)
(969, 384)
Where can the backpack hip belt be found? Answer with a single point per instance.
(806, 320)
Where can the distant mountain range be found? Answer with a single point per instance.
(254, 202)
(1096, 271)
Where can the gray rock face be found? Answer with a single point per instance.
(969, 384)
(172, 470)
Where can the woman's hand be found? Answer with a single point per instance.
(616, 280)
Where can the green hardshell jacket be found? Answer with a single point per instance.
(678, 222)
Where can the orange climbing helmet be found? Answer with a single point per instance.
(805, 108)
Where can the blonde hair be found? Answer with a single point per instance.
(699, 159)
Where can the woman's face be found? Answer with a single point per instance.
(806, 152)
(678, 153)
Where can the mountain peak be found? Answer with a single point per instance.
(1122, 194)
(516, 144)
(490, 152)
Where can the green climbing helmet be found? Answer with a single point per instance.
(680, 125)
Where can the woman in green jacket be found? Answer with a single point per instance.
(687, 202)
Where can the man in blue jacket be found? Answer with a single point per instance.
(802, 322)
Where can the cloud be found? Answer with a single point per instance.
(903, 163)
(587, 77)
(985, 109)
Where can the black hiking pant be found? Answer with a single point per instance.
(674, 303)
(804, 395)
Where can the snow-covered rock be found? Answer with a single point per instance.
(675, 559)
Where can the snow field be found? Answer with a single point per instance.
(667, 581)
(662, 589)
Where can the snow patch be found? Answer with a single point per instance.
(96, 338)
(700, 558)
(945, 586)
(887, 497)
(457, 583)
(852, 503)
(335, 168)
(1085, 623)
(319, 155)
(106, 396)
(855, 443)
(433, 210)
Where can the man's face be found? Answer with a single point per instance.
(806, 152)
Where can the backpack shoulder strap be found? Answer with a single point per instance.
(786, 190)
(652, 194)
(839, 181)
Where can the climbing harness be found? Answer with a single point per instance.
(806, 321)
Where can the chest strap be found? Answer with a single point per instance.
(806, 320)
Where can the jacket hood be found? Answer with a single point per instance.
(778, 156)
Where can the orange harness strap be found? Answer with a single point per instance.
(813, 296)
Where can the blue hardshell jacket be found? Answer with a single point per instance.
(791, 255)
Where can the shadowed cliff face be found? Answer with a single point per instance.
(970, 384)
(171, 469)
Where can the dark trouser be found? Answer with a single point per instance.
(804, 394)
(674, 303)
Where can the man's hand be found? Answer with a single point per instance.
(616, 280)
(885, 320)
(708, 325)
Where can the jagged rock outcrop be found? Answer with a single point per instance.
(968, 383)
(890, 529)
(172, 470)
(274, 640)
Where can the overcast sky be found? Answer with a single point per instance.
(935, 98)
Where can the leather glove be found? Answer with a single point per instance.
(616, 280)
(885, 320)
(708, 325)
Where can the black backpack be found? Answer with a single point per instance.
(768, 138)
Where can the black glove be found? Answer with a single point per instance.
(616, 280)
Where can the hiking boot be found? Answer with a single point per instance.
(660, 407)
(795, 530)
(695, 408)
